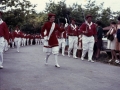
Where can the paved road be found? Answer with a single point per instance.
(26, 71)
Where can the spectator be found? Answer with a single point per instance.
(99, 39)
(112, 43)
(118, 39)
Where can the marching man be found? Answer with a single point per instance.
(31, 39)
(17, 38)
(36, 39)
(72, 31)
(11, 39)
(22, 39)
(89, 32)
(28, 38)
(61, 38)
(4, 34)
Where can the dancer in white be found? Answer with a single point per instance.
(31, 39)
(17, 34)
(61, 38)
(11, 39)
(4, 34)
(72, 31)
(50, 42)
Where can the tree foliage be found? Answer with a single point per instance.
(22, 12)
(17, 12)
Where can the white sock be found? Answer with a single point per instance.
(47, 56)
(74, 52)
(56, 59)
(63, 50)
(1, 60)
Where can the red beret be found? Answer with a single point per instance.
(88, 16)
(51, 14)
(72, 19)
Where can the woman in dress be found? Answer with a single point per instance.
(112, 44)
(118, 39)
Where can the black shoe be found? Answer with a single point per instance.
(1, 67)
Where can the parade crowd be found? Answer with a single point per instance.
(56, 37)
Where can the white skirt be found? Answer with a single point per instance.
(111, 44)
(54, 50)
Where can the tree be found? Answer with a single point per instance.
(92, 8)
(18, 12)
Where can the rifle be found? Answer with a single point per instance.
(66, 24)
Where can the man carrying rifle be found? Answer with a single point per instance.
(88, 31)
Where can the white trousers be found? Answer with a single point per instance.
(27, 41)
(24, 41)
(62, 44)
(39, 41)
(2, 45)
(42, 41)
(12, 42)
(6, 45)
(73, 44)
(31, 41)
(87, 45)
(36, 41)
(17, 43)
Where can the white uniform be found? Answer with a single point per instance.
(62, 42)
(4, 33)
(2, 45)
(88, 30)
(73, 39)
(17, 39)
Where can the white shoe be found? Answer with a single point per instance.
(6, 50)
(63, 54)
(117, 61)
(1, 67)
(68, 55)
(91, 61)
(82, 58)
(110, 60)
(58, 66)
(46, 64)
(75, 57)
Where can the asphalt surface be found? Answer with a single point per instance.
(26, 71)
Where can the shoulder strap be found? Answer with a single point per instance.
(51, 30)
